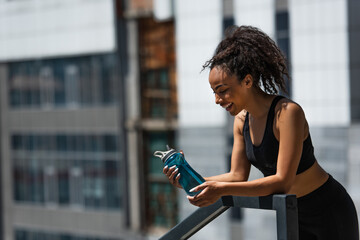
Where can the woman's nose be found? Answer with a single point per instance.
(217, 99)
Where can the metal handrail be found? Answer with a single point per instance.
(285, 206)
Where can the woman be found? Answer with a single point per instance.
(270, 132)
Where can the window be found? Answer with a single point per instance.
(157, 99)
(72, 85)
(63, 83)
(62, 169)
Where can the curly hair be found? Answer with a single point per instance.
(248, 50)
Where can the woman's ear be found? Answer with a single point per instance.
(248, 81)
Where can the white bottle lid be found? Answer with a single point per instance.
(164, 155)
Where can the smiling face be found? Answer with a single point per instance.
(229, 92)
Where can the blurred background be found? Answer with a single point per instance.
(89, 89)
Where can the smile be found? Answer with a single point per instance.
(228, 106)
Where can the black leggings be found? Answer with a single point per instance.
(328, 213)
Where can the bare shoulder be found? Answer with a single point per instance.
(290, 115)
(287, 108)
(239, 121)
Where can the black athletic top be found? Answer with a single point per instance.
(264, 157)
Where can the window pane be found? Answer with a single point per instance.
(93, 184)
(17, 142)
(110, 143)
(282, 21)
(112, 184)
(36, 183)
(63, 181)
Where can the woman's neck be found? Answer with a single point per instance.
(259, 105)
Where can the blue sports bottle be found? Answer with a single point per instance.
(189, 178)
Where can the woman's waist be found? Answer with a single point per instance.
(309, 180)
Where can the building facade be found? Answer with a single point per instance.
(62, 153)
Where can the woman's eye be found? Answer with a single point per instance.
(223, 91)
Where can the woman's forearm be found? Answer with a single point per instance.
(227, 177)
(259, 187)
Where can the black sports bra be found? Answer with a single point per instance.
(264, 157)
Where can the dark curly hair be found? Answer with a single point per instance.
(248, 50)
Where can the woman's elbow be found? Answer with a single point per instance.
(239, 177)
(284, 185)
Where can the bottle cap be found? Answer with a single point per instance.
(164, 155)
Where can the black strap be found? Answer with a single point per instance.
(270, 117)
(269, 121)
(270, 113)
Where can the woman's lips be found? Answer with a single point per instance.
(227, 106)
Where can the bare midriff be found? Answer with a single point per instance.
(308, 181)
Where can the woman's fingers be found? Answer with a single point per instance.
(199, 187)
(172, 173)
(167, 170)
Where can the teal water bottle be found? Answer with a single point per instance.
(189, 178)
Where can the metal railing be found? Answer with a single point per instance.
(285, 206)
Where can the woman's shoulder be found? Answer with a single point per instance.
(288, 106)
(241, 115)
(239, 121)
(287, 109)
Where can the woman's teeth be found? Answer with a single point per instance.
(228, 106)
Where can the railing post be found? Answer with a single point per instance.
(286, 217)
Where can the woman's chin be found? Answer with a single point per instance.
(234, 112)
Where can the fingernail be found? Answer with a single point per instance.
(176, 170)
(166, 167)
(178, 175)
(192, 190)
(173, 167)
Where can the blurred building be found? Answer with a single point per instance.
(90, 89)
(88, 93)
(62, 150)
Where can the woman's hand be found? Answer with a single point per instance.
(172, 174)
(211, 192)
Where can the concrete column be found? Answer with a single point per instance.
(6, 171)
(132, 118)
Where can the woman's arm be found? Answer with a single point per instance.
(290, 125)
(240, 166)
